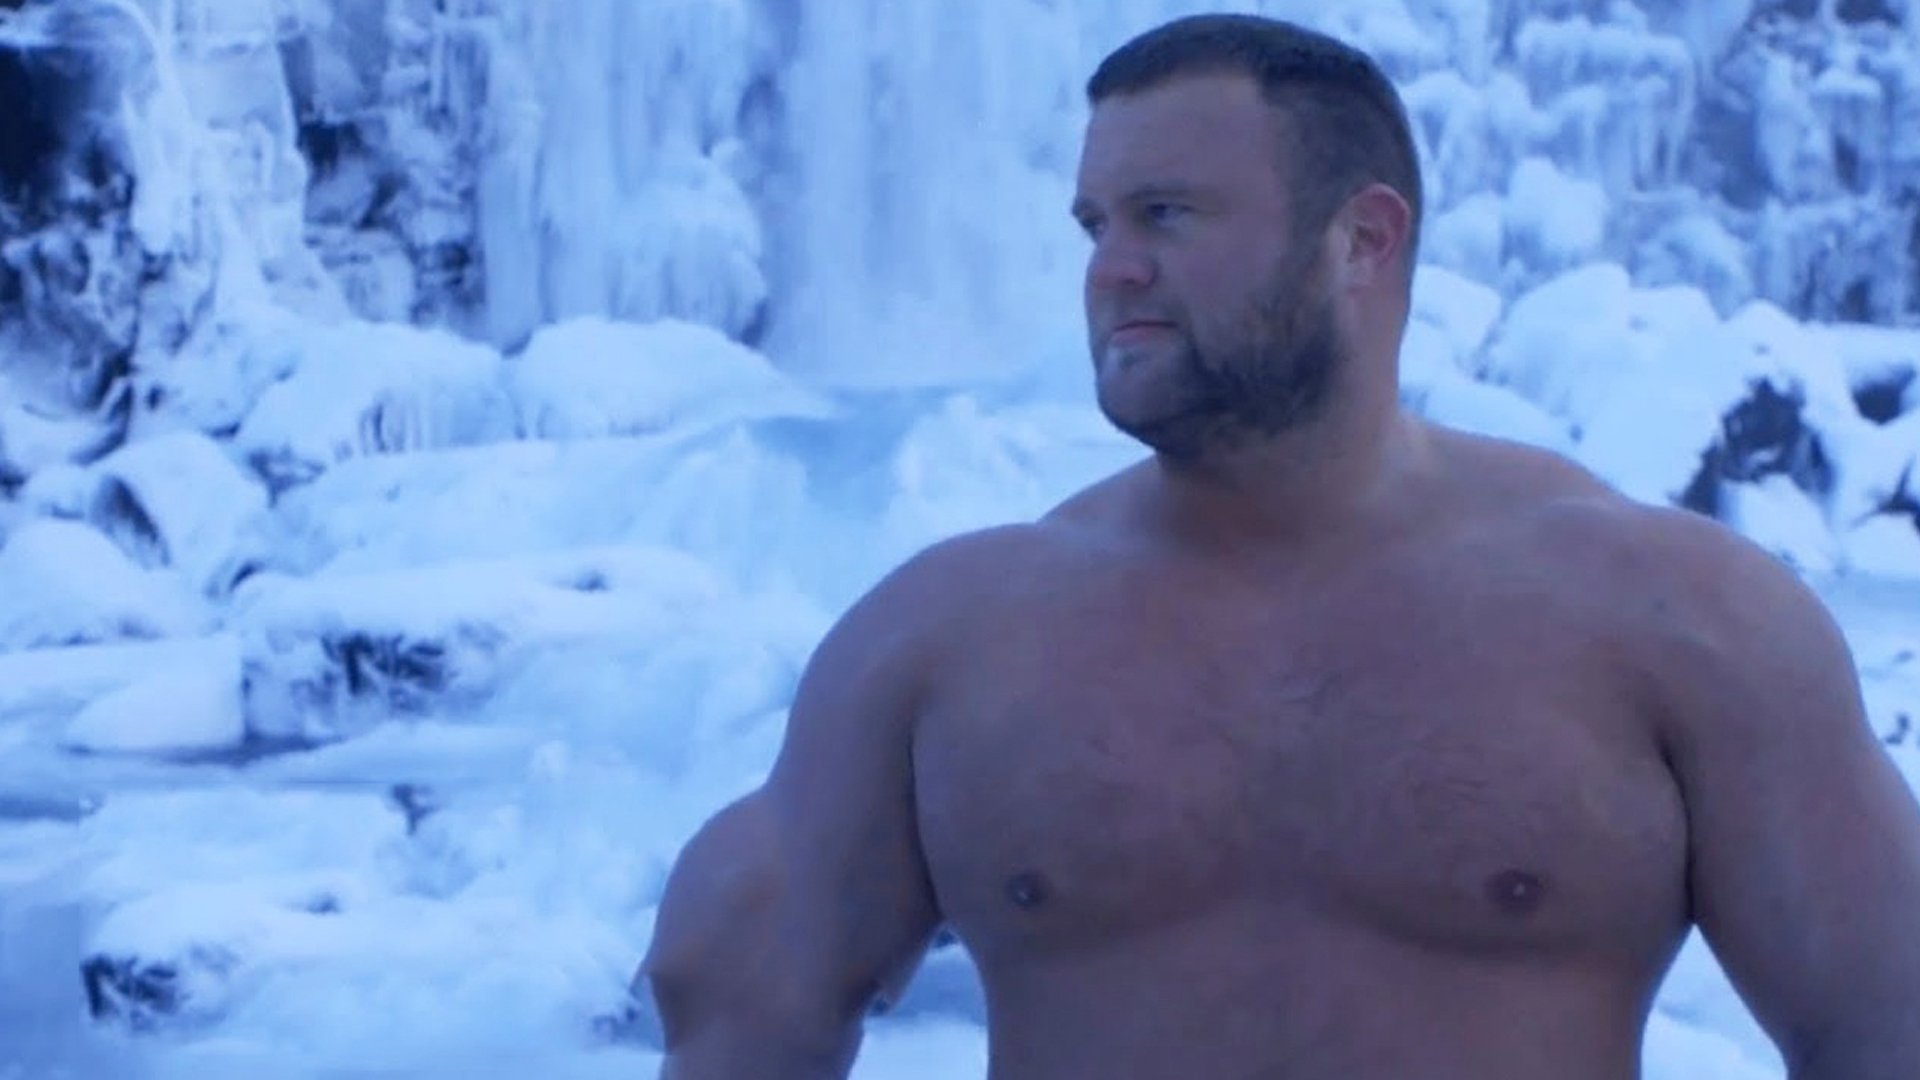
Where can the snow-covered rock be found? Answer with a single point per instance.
(178, 500)
(61, 682)
(957, 462)
(335, 656)
(1465, 311)
(192, 709)
(1460, 402)
(589, 377)
(1642, 378)
(1776, 514)
(63, 583)
(528, 620)
(1885, 545)
(366, 388)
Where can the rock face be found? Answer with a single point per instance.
(464, 159)
(71, 266)
(497, 165)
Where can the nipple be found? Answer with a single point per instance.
(1027, 891)
(1517, 892)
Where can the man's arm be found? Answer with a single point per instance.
(1804, 838)
(792, 910)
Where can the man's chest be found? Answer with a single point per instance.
(1463, 778)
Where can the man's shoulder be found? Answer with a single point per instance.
(1692, 598)
(1100, 504)
(1558, 508)
(1002, 560)
(1683, 554)
(963, 573)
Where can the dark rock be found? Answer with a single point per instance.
(1865, 11)
(593, 581)
(1763, 435)
(1883, 400)
(31, 806)
(405, 673)
(1913, 250)
(30, 124)
(118, 513)
(1902, 730)
(70, 265)
(145, 995)
(415, 801)
(635, 1023)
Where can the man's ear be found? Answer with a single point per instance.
(1375, 231)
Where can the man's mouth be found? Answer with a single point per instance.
(1137, 330)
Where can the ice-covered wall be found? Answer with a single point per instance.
(1754, 150)
(487, 165)
(869, 190)
(407, 368)
(496, 165)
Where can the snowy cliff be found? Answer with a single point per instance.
(870, 192)
(433, 434)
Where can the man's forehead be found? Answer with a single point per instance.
(1183, 125)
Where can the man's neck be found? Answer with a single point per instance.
(1294, 489)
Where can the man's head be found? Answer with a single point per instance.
(1253, 195)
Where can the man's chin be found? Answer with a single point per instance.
(1169, 433)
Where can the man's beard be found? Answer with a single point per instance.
(1275, 375)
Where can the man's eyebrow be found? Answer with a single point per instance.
(1083, 206)
(1156, 192)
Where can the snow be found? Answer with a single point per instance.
(1885, 545)
(590, 377)
(367, 676)
(1779, 516)
(66, 584)
(180, 501)
(193, 709)
(369, 388)
(1559, 218)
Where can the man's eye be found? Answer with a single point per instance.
(1092, 227)
(1161, 213)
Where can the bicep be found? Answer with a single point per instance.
(841, 800)
(810, 897)
(1804, 838)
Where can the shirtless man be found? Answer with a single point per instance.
(1325, 743)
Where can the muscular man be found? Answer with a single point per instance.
(1325, 743)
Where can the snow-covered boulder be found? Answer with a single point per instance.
(63, 583)
(1641, 378)
(178, 500)
(188, 710)
(1884, 545)
(1776, 514)
(363, 388)
(592, 377)
(1486, 409)
(968, 465)
(1462, 310)
(647, 636)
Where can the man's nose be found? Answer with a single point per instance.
(1119, 262)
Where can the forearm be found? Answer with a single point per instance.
(1891, 1052)
(733, 1051)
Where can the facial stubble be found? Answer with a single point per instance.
(1272, 373)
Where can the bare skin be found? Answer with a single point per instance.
(1344, 746)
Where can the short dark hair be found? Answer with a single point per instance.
(1346, 118)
